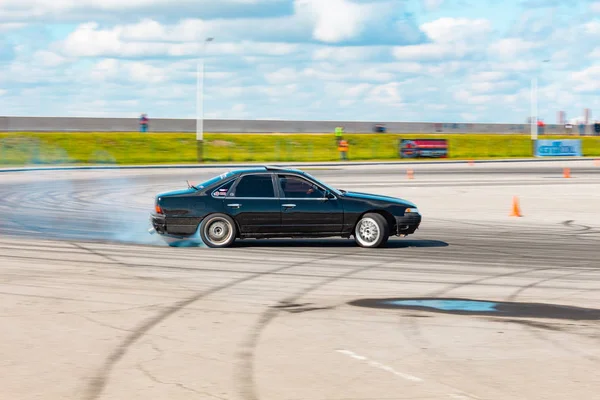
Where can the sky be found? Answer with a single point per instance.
(349, 60)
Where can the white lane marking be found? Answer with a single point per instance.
(462, 396)
(380, 366)
(408, 377)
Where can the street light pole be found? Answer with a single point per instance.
(534, 106)
(200, 101)
(534, 117)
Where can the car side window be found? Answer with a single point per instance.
(223, 190)
(298, 188)
(254, 186)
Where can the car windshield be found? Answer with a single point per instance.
(336, 191)
(214, 180)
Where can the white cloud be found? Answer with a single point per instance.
(148, 29)
(145, 73)
(517, 65)
(595, 7)
(347, 54)
(324, 74)
(49, 59)
(111, 69)
(105, 69)
(467, 97)
(283, 75)
(90, 41)
(27, 9)
(404, 67)
(592, 27)
(487, 76)
(3, 92)
(29, 72)
(375, 74)
(295, 27)
(587, 80)
(357, 90)
(490, 87)
(65, 5)
(469, 116)
(271, 64)
(595, 53)
(446, 30)
(512, 47)
(331, 21)
(433, 106)
(86, 40)
(334, 20)
(431, 51)
(432, 4)
(447, 69)
(388, 94)
(10, 26)
(237, 111)
(453, 38)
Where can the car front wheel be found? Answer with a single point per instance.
(218, 230)
(372, 231)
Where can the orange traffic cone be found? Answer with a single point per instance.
(516, 209)
(567, 172)
(410, 174)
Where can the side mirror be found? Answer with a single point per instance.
(329, 195)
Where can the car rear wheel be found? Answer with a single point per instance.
(218, 230)
(372, 231)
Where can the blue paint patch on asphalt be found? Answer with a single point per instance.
(447, 305)
(473, 307)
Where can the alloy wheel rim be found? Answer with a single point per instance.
(368, 231)
(219, 231)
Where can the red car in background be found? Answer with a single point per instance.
(423, 148)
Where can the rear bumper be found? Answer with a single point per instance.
(408, 223)
(159, 223)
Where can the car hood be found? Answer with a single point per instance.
(369, 196)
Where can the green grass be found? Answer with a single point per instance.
(24, 148)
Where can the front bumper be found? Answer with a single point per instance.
(408, 223)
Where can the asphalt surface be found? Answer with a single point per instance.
(93, 307)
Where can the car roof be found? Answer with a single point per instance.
(267, 168)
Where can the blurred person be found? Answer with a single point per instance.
(339, 131)
(343, 147)
(541, 126)
(144, 122)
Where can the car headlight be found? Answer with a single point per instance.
(411, 211)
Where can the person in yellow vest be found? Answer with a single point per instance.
(343, 147)
(339, 131)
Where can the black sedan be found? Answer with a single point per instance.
(273, 202)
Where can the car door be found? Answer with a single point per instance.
(306, 209)
(253, 203)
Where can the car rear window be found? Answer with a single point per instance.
(214, 180)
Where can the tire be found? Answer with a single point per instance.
(218, 231)
(372, 231)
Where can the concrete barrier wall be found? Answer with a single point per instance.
(69, 124)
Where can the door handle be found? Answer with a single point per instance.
(288, 205)
(234, 205)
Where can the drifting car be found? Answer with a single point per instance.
(273, 202)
